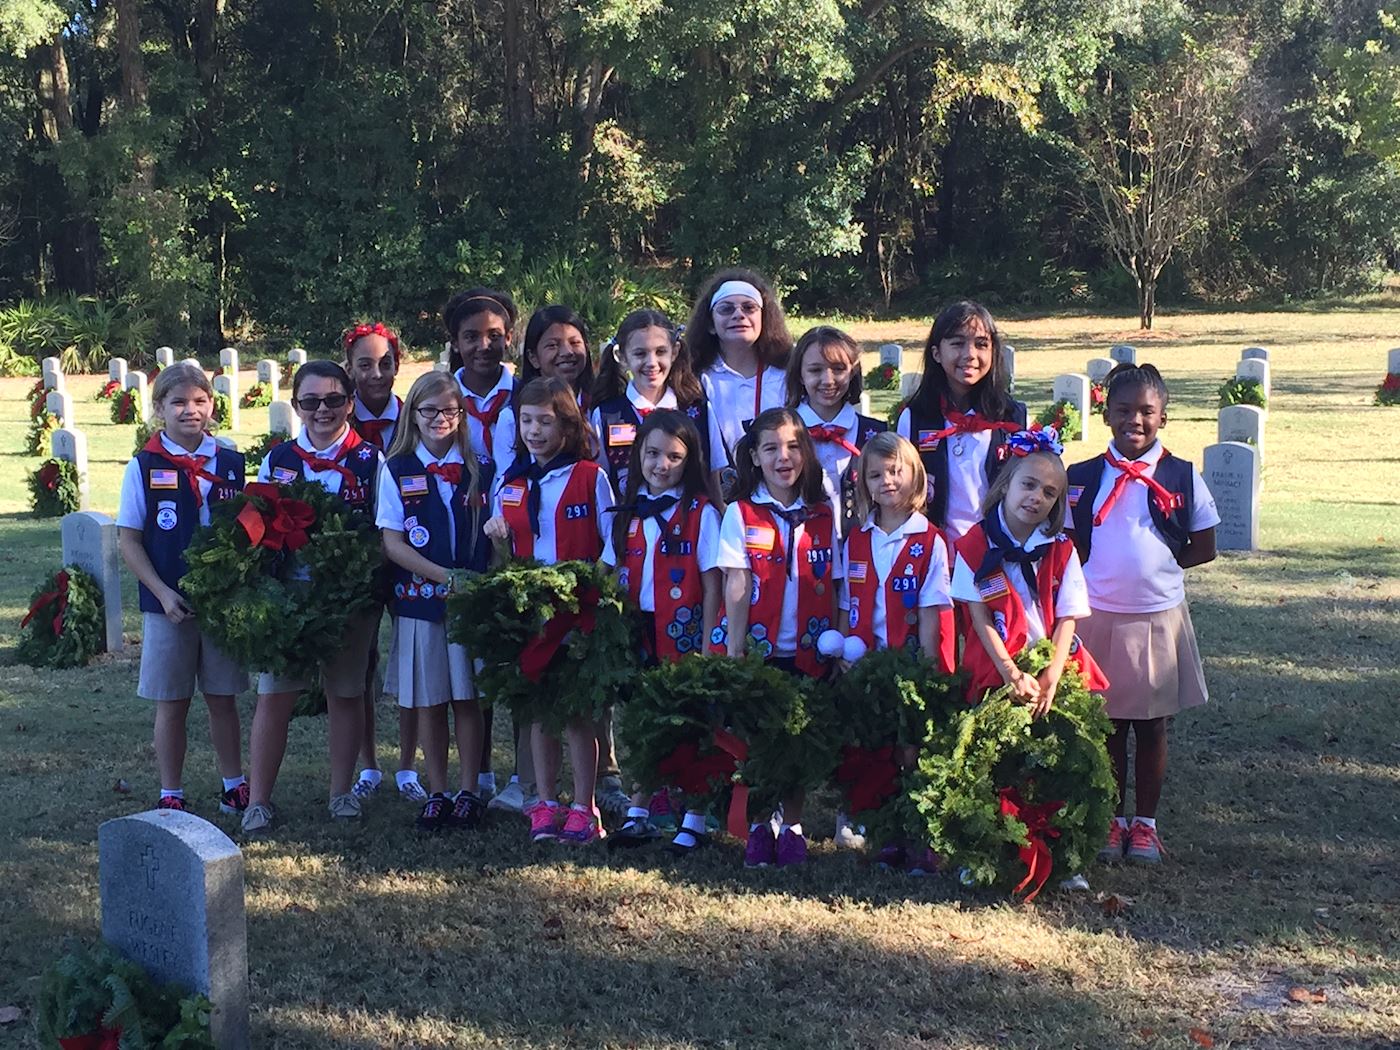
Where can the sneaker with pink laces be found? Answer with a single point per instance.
(545, 822)
(175, 802)
(1144, 847)
(581, 828)
(762, 849)
(792, 848)
(1112, 852)
(663, 816)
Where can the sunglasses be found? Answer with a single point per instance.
(331, 401)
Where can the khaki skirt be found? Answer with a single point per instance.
(424, 668)
(1151, 660)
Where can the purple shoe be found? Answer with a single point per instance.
(792, 848)
(762, 849)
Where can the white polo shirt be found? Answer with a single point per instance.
(503, 433)
(641, 404)
(390, 513)
(330, 480)
(967, 476)
(131, 507)
(706, 551)
(884, 549)
(551, 490)
(733, 399)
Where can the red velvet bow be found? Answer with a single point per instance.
(48, 476)
(535, 657)
(693, 774)
(869, 775)
(59, 594)
(833, 434)
(1035, 854)
(282, 525)
(102, 1039)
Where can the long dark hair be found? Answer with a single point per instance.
(540, 322)
(695, 478)
(774, 343)
(612, 371)
(556, 394)
(991, 395)
(469, 303)
(809, 482)
(823, 335)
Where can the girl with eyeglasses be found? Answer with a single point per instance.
(329, 452)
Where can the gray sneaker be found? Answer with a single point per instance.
(612, 800)
(258, 817)
(413, 791)
(511, 799)
(346, 807)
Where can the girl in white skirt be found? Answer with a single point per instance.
(1139, 517)
(431, 512)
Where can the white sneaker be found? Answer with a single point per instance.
(1075, 884)
(511, 799)
(848, 835)
(258, 817)
(364, 788)
(413, 791)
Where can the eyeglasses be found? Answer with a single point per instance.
(331, 401)
(428, 414)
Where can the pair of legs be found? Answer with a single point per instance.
(1149, 762)
(267, 744)
(408, 736)
(171, 741)
(470, 728)
(582, 740)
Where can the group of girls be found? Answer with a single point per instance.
(728, 478)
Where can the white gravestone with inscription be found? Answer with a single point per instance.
(1123, 353)
(1231, 472)
(1074, 388)
(283, 419)
(52, 370)
(1254, 353)
(228, 359)
(228, 386)
(297, 356)
(172, 900)
(71, 445)
(1098, 368)
(891, 354)
(60, 404)
(116, 371)
(269, 376)
(1008, 361)
(1253, 368)
(165, 356)
(1392, 362)
(137, 381)
(1242, 423)
(90, 543)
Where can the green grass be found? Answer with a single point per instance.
(1280, 811)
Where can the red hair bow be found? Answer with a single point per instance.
(374, 328)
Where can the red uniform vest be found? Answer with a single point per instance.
(901, 594)
(677, 590)
(575, 518)
(1009, 616)
(815, 555)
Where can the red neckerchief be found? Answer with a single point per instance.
(487, 416)
(193, 466)
(831, 433)
(449, 472)
(374, 429)
(1135, 470)
(318, 464)
(960, 423)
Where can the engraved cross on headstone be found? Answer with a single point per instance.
(150, 865)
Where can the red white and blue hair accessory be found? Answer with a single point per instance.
(1041, 439)
(376, 328)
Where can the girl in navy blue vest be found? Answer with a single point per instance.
(431, 512)
(643, 368)
(167, 491)
(1140, 516)
(960, 415)
(330, 452)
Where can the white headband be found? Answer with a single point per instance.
(729, 289)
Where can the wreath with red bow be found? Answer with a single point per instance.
(40, 433)
(279, 573)
(54, 489)
(110, 389)
(126, 407)
(65, 625)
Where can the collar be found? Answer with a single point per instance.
(329, 452)
(721, 368)
(762, 495)
(1038, 538)
(208, 447)
(668, 397)
(1150, 458)
(391, 410)
(917, 523)
(504, 382)
(454, 455)
(556, 470)
(845, 419)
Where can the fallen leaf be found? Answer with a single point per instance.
(121, 787)
(1303, 995)
(1114, 904)
(1201, 1037)
(968, 940)
(1147, 1034)
(1024, 965)
(1330, 759)
(10, 1014)
(299, 909)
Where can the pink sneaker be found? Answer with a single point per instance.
(580, 828)
(792, 848)
(662, 815)
(545, 822)
(762, 849)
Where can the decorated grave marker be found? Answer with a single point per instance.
(1073, 387)
(52, 370)
(90, 543)
(270, 376)
(1254, 353)
(228, 359)
(1097, 368)
(891, 354)
(165, 356)
(71, 445)
(228, 386)
(172, 900)
(1123, 353)
(60, 404)
(283, 419)
(1243, 424)
(1231, 472)
(1392, 362)
(116, 370)
(136, 381)
(1256, 369)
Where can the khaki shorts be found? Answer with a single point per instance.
(342, 674)
(177, 656)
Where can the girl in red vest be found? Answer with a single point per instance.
(556, 347)
(961, 414)
(1018, 576)
(551, 505)
(824, 385)
(782, 566)
(665, 543)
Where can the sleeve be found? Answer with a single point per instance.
(708, 553)
(845, 560)
(265, 467)
(719, 455)
(731, 553)
(609, 556)
(1204, 514)
(595, 420)
(496, 505)
(606, 501)
(1073, 599)
(390, 505)
(131, 509)
(934, 592)
(902, 426)
(963, 588)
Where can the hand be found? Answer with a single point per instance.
(176, 611)
(1023, 687)
(1049, 683)
(497, 530)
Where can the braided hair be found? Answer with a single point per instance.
(1125, 377)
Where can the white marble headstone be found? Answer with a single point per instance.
(1243, 424)
(865, 402)
(52, 370)
(283, 419)
(136, 380)
(891, 354)
(1254, 353)
(228, 359)
(60, 404)
(1008, 360)
(1231, 472)
(228, 386)
(1074, 388)
(297, 356)
(1256, 369)
(269, 371)
(116, 370)
(70, 444)
(90, 543)
(1098, 368)
(1123, 353)
(1392, 362)
(908, 383)
(165, 356)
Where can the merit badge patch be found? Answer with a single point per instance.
(166, 517)
(165, 479)
(418, 536)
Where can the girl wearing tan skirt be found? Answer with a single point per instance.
(1140, 516)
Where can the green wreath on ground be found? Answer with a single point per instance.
(882, 377)
(556, 640)
(54, 489)
(1063, 416)
(65, 626)
(710, 724)
(891, 700)
(1388, 393)
(109, 390)
(1012, 800)
(279, 573)
(41, 427)
(223, 412)
(144, 430)
(126, 407)
(258, 395)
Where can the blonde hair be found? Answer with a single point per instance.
(172, 377)
(1055, 522)
(407, 434)
(890, 445)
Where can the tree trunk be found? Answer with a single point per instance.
(1147, 302)
(133, 71)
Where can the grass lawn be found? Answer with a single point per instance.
(1282, 809)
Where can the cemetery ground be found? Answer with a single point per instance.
(1274, 923)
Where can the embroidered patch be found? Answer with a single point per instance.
(576, 511)
(413, 485)
(166, 517)
(418, 536)
(916, 550)
(1073, 493)
(513, 495)
(928, 440)
(993, 586)
(366, 452)
(759, 538)
(622, 433)
(165, 479)
(855, 572)
(284, 475)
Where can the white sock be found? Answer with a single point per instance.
(693, 821)
(514, 779)
(169, 793)
(374, 776)
(232, 782)
(638, 813)
(1151, 822)
(406, 776)
(486, 781)
(1122, 822)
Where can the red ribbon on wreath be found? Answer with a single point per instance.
(102, 1039)
(282, 525)
(1035, 854)
(535, 657)
(49, 475)
(60, 594)
(869, 775)
(692, 774)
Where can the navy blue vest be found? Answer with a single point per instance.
(936, 461)
(1174, 475)
(427, 529)
(619, 411)
(363, 462)
(866, 428)
(171, 515)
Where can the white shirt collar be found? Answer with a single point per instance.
(454, 455)
(505, 382)
(553, 472)
(917, 523)
(668, 397)
(1038, 538)
(330, 450)
(208, 447)
(721, 366)
(391, 410)
(1150, 458)
(845, 419)
(762, 495)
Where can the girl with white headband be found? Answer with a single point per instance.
(739, 344)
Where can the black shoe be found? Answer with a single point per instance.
(675, 849)
(466, 811)
(434, 813)
(638, 831)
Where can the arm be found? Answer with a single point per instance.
(738, 585)
(712, 583)
(929, 639)
(1049, 679)
(398, 551)
(129, 542)
(1023, 686)
(1199, 550)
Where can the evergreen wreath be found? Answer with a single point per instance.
(256, 450)
(1237, 391)
(1063, 416)
(278, 574)
(1012, 800)
(223, 412)
(126, 407)
(882, 377)
(1098, 400)
(38, 397)
(144, 430)
(41, 427)
(257, 396)
(92, 997)
(110, 389)
(556, 640)
(1388, 393)
(53, 489)
(65, 626)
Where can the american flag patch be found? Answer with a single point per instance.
(993, 586)
(928, 440)
(855, 572)
(1074, 492)
(284, 475)
(512, 495)
(413, 485)
(165, 479)
(759, 537)
(622, 433)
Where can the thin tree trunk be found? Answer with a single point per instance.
(133, 71)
